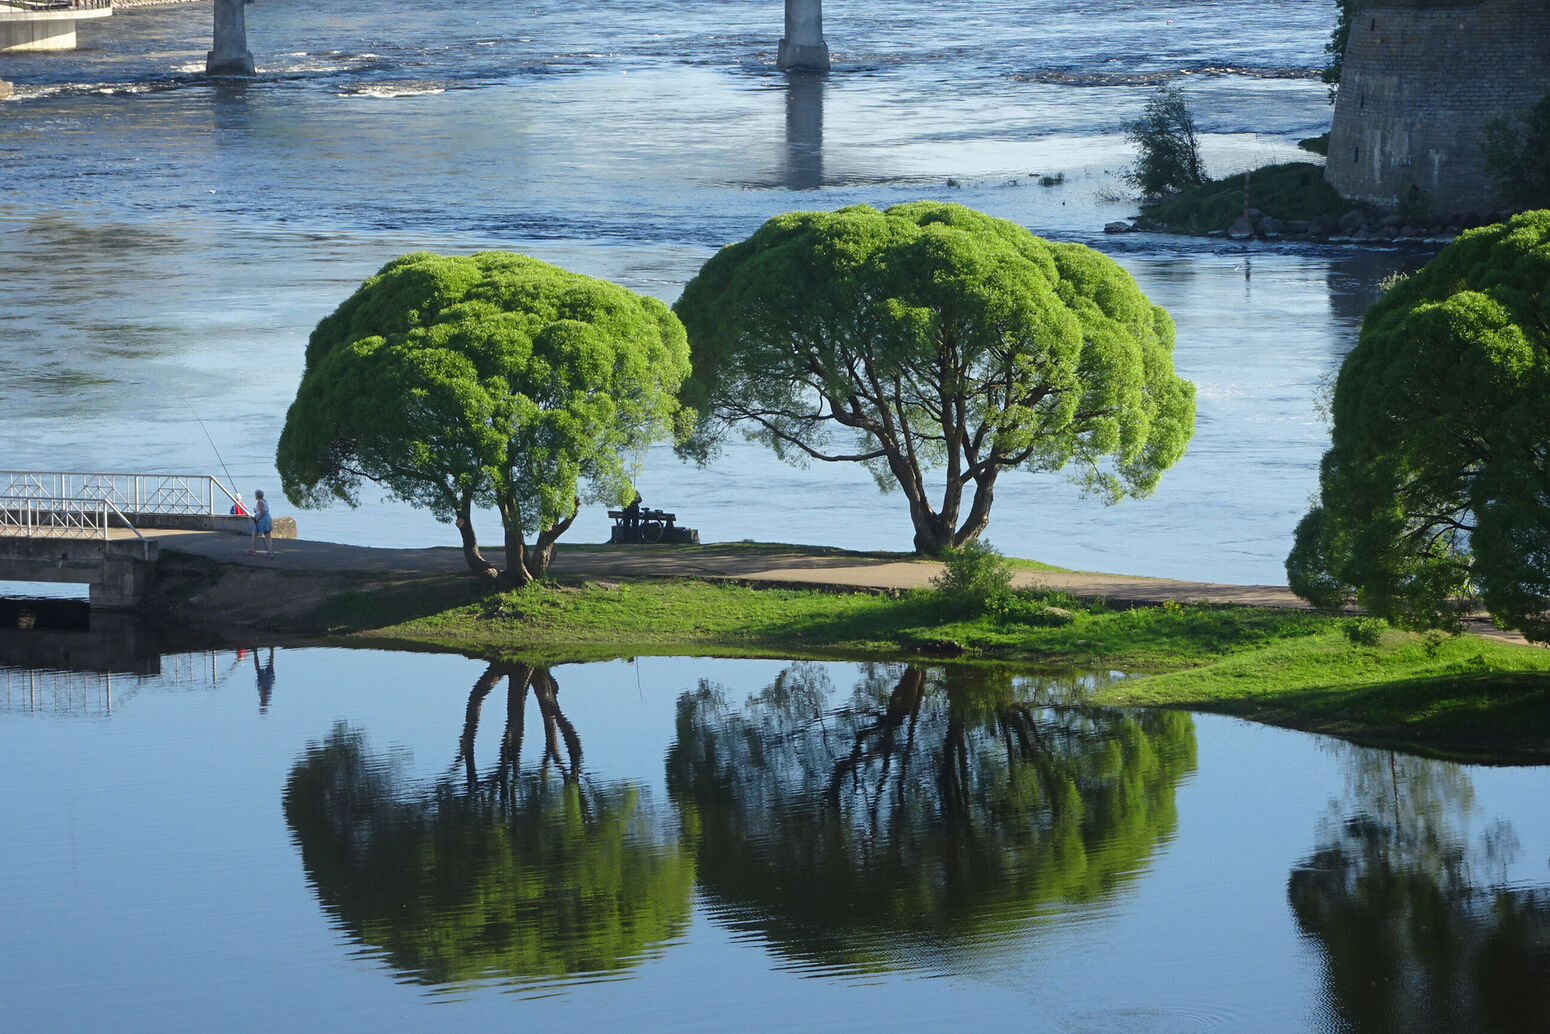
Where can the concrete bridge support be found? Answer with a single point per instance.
(52, 29)
(803, 46)
(117, 572)
(230, 56)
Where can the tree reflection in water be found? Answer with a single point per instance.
(518, 875)
(1418, 925)
(938, 807)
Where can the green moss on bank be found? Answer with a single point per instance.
(1294, 191)
(1464, 696)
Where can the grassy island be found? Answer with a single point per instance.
(1464, 696)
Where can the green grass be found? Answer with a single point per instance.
(1464, 696)
(1295, 190)
(1455, 696)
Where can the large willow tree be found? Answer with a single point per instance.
(940, 347)
(486, 380)
(1435, 492)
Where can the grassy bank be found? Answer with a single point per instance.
(1456, 696)
(1292, 192)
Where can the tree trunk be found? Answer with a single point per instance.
(979, 510)
(471, 555)
(542, 554)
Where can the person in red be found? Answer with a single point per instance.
(237, 507)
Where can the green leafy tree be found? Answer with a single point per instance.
(1339, 36)
(935, 811)
(930, 339)
(519, 876)
(1168, 159)
(488, 380)
(1436, 490)
(1517, 156)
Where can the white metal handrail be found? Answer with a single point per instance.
(129, 493)
(60, 518)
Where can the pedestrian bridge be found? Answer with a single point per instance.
(87, 529)
(45, 24)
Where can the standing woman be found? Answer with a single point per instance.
(263, 524)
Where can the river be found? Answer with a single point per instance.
(352, 840)
(169, 243)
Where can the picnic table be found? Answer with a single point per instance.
(644, 525)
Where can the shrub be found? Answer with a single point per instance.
(1365, 631)
(1169, 159)
(974, 577)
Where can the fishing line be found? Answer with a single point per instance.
(206, 430)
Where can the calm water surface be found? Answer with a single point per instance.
(169, 243)
(320, 838)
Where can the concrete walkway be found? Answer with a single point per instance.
(762, 564)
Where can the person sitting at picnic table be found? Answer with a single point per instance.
(632, 519)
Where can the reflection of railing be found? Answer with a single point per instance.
(129, 493)
(88, 693)
(60, 518)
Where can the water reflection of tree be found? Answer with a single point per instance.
(1419, 928)
(936, 807)
(512, 874)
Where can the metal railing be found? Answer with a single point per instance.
(129, 493)
(22, 517)
(50, 6)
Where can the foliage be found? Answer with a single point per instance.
(1339, 36)
(934, 810)
(1436, 489)
(1169, 158)
(1290, 191)
(546, 879)
(487, 380)
(1517, 156)
(935, 339)
(974, 576)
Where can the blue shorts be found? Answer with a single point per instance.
(263, 525)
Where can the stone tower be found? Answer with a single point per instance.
(1419, 81)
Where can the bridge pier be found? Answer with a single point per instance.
(117, 571)
(230, 56)
(803, 46)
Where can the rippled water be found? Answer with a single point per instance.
(169, 243)
(317, 838)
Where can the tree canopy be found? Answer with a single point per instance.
(485, 380)
(932, 340)
(1435, 493)
(514, 875)
(937, 809)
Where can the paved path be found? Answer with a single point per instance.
(764, 564)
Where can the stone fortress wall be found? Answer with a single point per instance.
(1418, 83)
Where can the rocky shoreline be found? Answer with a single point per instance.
(1358, 226)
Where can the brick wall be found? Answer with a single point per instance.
(1416, 88)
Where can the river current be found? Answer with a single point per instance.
(168, 242)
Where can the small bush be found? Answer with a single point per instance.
(1169, 158)
(974, 577)
(1365, 631)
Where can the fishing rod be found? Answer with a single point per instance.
(206, 430)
